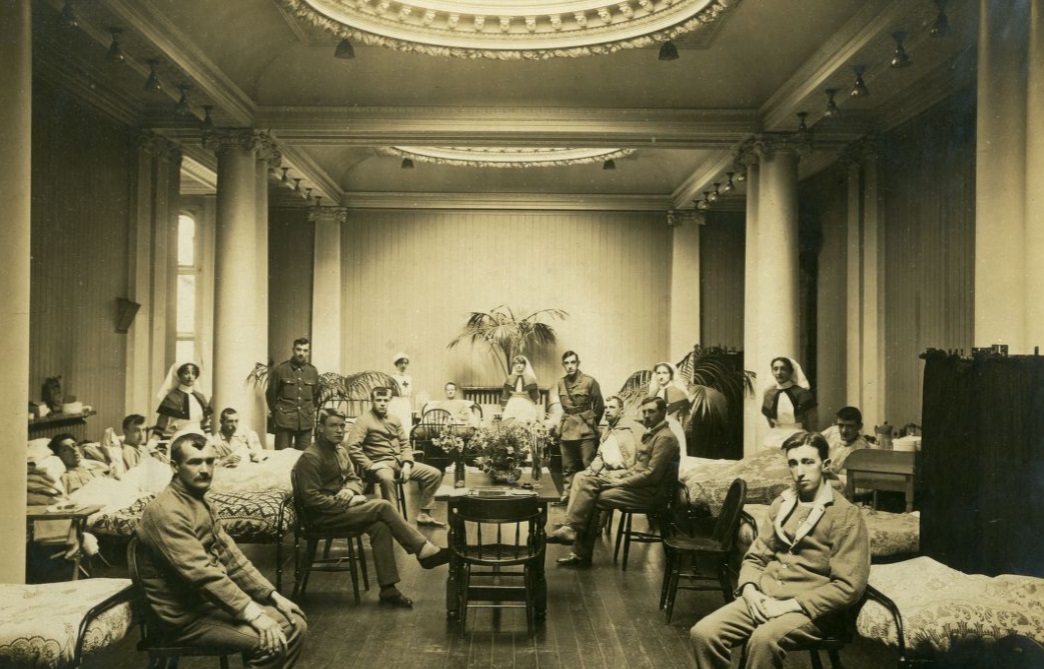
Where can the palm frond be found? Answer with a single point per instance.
(634, 389)
(505, 333)
(259, 374)
(709, 404)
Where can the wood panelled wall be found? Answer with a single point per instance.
(81, 179)
(412, 277)
(928, 192)
(291, 247)
(722, 249)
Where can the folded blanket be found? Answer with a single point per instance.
(42, 489)
(44, 478)
(36, 499)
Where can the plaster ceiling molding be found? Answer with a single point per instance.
(505, 156)
(510, 29)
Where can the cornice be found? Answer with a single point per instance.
(512, 126)
(506, 201)
(322, 183)
(186, 55)
(199, 172)
(82, 82)
(692, 188)
(941, 83)
(159, 146)
(873, 20)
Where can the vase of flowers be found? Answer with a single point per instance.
(540, 441)
(501, 451)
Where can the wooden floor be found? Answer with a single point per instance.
(598, 617)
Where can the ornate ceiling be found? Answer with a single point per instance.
(510, 29)
(506, 157)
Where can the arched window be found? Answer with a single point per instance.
(187, 322)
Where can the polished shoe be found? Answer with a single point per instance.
(562, 501)
(563, 535)
(398, 600)
(436, 560)
(425, 519)
(573, 560)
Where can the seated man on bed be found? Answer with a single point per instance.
(810, 562)
(77, 472)
(234, 444)
(200, 585)
(844, 437)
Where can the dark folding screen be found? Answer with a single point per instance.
(982, 463)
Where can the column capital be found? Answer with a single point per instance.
(159, 146)
(862, 150)
(766, 144)
(745, 155)
(337, 215)
(268, 149)
(220, 140)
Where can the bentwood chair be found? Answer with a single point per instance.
(155, 639)
(625, 532)
(680, 542)
(353, 562)
(497, 540)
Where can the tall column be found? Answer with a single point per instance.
(873, 340)
(15, 145)
(1034, 183)
(685, 285)
(1001, 177)
(326, 288)
(754, 426)
(854, 285)
(775, 300)
(268, 156)
(235, 277)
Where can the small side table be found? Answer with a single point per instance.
(78, 517)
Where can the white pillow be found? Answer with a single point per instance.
(38, 450)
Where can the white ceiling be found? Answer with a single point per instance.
(260, 67)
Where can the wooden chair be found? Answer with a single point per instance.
(625, 533)
(498, 538)
(680, 542)
(163, 653)
(303, 568)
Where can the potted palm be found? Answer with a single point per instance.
(507, 331)
(341, 391)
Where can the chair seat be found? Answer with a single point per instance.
(702, 544)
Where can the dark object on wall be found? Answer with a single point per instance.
(126, 310)
(52, 394)
(982, 463)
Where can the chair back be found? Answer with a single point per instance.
(728, 520)
(150, 625)
(437, 418)
(299, 510)
(497, 531)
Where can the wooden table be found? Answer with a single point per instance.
(882, 470)
(548, 489)
(78, 515)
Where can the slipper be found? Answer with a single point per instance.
(429, 522)
(398, 600)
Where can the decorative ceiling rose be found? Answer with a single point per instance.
(509, 29)
(505, 156)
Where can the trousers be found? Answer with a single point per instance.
(589, 494)
(220, 630)
(427, 477)
(714, 636)
(576, 456)
(379, 519)
(299, 439)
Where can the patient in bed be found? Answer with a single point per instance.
(77, 471)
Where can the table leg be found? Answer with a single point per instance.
(452, 595)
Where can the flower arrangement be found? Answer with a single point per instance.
(502, 450)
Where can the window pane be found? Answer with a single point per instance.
(186, 303)
(185, 351)
(186, 241)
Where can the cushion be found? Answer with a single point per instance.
(766, 474)
(39, 623)
(943, 608)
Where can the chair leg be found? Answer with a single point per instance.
(607, 521)
(465, 583)
(816, 662)
(668, 565)
(672, 591)
(362, 562)
(279, 564)
(310, 550)
(835, 659)
(620, 529)
(400, 490)
(627, 541)
(326, 549)
(723, 580)
(224, 661)
(353, 570)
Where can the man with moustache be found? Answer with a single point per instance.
(331, 496)
(639, 485)
(202, 588)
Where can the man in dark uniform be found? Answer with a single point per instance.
(582, 406)
(293, 397)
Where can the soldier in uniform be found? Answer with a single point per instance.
(293, 397)
(582, 406)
